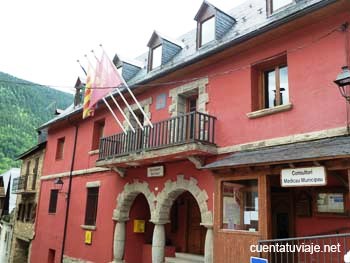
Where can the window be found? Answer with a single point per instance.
(207, 31)
(274, 5)
(60, 148)
(276, 86)
(25, 181)
(35, 173)
(97, 133)
(53, 201)
(270, 86)
(22, 212)
(240, 205)
(28, 212)
(120, 70)
(20, 208)
(330, 202)
(51, 256)
(156, 57)
(91, 206)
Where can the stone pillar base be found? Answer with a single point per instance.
(119, 242)
(158, 243)
(208, 246)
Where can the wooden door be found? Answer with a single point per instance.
(191, 107)
(195, 232)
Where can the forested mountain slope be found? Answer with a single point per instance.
(23, 107)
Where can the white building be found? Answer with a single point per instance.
(8, 203)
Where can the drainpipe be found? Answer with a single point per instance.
(69, 191)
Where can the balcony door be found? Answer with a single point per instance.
(191, 107)
(137, 137)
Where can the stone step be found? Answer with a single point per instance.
(188, 256)
(185, 258)
(180, 260)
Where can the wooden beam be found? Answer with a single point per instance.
(120, 171)
(291, 165)
(316, 163)
(197, 161)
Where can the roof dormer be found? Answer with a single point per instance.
(161, 50)
(126, 67)
(212, 24)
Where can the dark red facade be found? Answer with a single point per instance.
(315, 52)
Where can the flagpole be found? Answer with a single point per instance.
(138, 104)
(130, 109)
(130, 92)
(109, 108)
(81, 66)
(123, 98)
(115, 117)
(122, 112)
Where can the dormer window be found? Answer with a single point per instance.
(162, 49)
(156, 57)
(207, 31)
(212, 24)
(120, 70)
(275, 5)
(127, 68)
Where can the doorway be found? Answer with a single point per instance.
(186, 233)
(282, 209)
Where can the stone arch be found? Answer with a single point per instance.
(126, 198)
(172, 190)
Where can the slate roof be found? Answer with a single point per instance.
(251, 20)
(334, 147)
(35, 148)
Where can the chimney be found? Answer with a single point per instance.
(77, 96)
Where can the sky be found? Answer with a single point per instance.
(41, 40)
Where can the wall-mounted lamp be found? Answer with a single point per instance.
(58, 185)
(343, 82)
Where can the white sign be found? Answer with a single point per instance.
(307, 176)
(155, 171)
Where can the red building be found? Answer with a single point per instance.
(238, 106)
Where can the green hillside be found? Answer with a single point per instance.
(23, 107)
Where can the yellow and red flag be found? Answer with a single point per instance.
(88, 109)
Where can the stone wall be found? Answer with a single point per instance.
(23, 232)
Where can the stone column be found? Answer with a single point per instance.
(158, 243)
(208, 246)
(119, 242)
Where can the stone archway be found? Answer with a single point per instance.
(121, 213)
(160, 217)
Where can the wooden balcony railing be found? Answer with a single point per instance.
(186, 128)
(25, 183)
(331, 248)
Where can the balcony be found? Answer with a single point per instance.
(24, 184)
(189, 135)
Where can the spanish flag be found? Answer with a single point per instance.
(87, 107)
